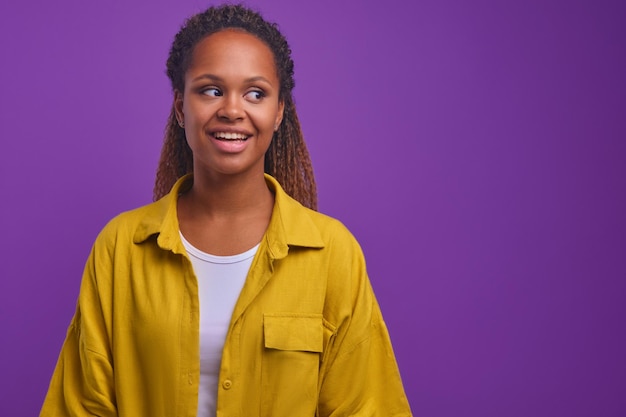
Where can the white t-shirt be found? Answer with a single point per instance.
(220, 280)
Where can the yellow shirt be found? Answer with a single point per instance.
(306, 336)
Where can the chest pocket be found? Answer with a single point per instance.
(293, 344)
(285, 331)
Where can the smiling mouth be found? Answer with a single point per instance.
(230, 136)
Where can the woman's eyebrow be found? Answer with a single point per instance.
(258, 78)
(207, 76)
(214, 77)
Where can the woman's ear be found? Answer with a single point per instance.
(279, 116)
(178, 108)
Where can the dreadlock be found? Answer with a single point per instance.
(287, 158)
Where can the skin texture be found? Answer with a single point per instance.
(231, 86)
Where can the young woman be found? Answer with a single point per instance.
(228, 296)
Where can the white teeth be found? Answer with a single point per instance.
(230, 136)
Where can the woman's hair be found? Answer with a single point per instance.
(287, 158)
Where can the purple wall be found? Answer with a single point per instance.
(476, 149)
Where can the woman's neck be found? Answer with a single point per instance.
(225, 215)
(226, 195)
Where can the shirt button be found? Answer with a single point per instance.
(227, 384)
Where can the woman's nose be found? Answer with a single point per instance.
(232, 108)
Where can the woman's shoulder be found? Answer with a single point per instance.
(329, 224)
(150, 217)
(333, 232)
(131, 223)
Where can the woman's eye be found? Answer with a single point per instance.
(255, 95)
(213, 92)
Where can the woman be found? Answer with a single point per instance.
(227, 296)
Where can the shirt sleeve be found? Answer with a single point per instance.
(82, 382)
(360, 376)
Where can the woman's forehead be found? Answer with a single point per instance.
(233, 51)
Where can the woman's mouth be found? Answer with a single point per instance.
(230, 142)
(230, 136)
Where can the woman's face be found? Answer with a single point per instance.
(230, 105)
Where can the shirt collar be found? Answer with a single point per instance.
(290, 225)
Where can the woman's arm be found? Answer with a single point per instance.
(360, 376)
(83, 380)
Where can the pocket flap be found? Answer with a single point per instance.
(293, 331)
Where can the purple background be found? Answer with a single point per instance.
(476, 149)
